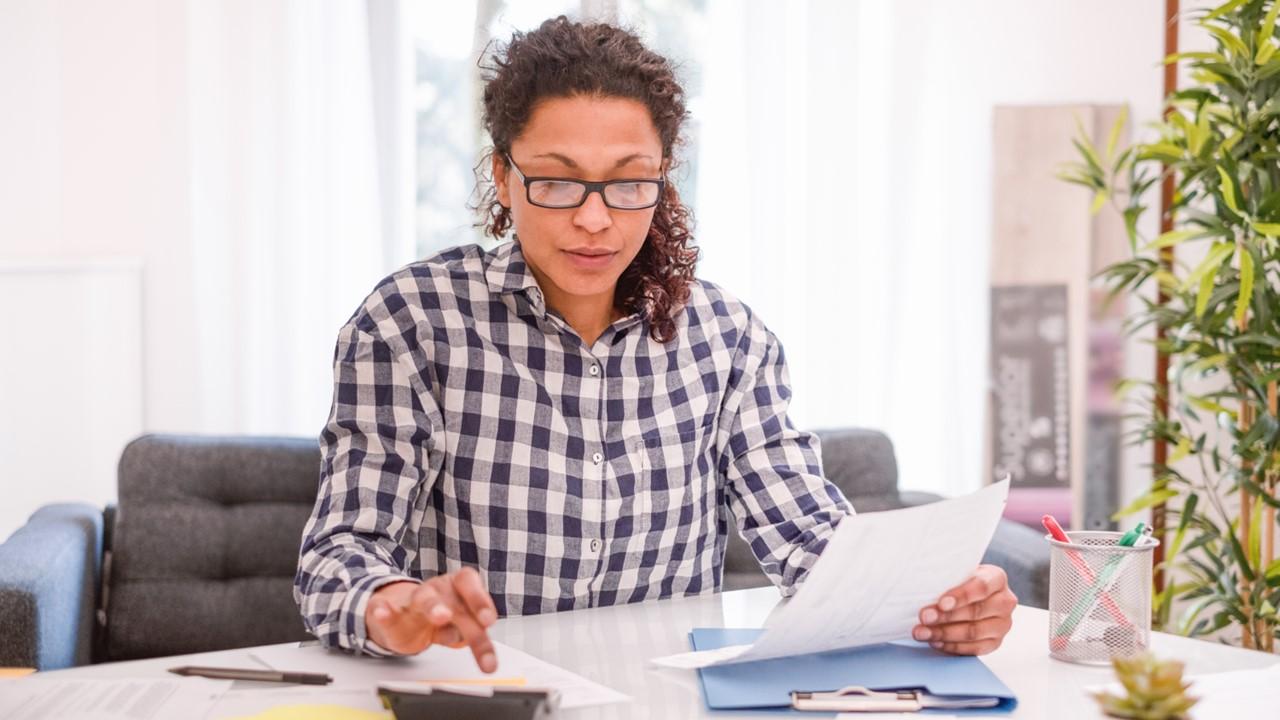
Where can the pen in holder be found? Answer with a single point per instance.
(1099, 596)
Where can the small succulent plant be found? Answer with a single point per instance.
(1154, 689)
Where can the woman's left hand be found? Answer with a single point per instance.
(971, 618)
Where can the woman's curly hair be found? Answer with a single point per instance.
(563, 58)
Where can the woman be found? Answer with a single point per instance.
(571, 419)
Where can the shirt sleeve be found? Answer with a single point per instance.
(373, 467)
(783, 506)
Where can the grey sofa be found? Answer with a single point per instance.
(199, 552)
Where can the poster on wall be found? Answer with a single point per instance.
(1030, 384)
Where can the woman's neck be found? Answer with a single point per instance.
(588, 315)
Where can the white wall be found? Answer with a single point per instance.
(92, 141)
(72, 382)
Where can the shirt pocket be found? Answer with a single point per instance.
(669, 474)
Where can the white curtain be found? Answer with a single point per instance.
(842, 193)
(286, 227)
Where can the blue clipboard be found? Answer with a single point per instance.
(767, 684)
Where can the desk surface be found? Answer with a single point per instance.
(613, 646)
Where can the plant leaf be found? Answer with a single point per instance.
(1227, 39)
(1228, 190)
(1099, 199)
(1174, 237)
(1265, 51)
(1224, 9)
(1268, 24)
(1208, 56)
(1117, 126)
(1268, 229)
(1182, 450)
(1205, 363)
(1246, 283)
(1155, 497)
(1204, 293)
(1209, 406)
(1161, 150)
(1221, 251)
(1242, 560)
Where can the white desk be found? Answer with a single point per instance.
(613, 646)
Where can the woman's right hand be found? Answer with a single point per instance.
(454, 610)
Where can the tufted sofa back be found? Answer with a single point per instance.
(205, 544)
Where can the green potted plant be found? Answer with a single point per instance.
(1219, 309)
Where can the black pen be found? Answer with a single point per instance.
(244, 674)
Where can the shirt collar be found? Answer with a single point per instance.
(507, 271)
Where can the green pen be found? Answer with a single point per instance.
(1085, 602)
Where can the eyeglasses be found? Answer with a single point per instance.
(562, 193)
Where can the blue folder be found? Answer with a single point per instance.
(767, 684)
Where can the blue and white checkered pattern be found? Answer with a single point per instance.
(471, 426)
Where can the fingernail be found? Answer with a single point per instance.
(923, 633)
(947, 603)
(489, 663)
(936, 645)
(930, 616)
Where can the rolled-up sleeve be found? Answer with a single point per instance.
(783, 506)
(374, 465)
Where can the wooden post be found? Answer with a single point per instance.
(1160, 449)
(1246, 521)
(1269, 520)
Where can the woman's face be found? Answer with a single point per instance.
(579, 253)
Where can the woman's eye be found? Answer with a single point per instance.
(555, 190)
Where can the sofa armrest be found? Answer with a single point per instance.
(49, 573)
(1024, 555)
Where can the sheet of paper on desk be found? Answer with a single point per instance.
(440, 663)
(876, 573)
(295, 702)
(50, 698)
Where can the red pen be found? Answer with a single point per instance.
(1082, 567)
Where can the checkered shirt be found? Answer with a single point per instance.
(471, 426)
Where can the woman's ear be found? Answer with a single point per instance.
(500, 180)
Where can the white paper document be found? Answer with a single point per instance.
(441, 664)
(875, 575)
(50, 698)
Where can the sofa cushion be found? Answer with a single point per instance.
(205, 543)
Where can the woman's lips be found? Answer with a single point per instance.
(589, 260)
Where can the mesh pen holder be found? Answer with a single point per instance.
(1099, 597)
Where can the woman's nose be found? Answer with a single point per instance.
(593, 215)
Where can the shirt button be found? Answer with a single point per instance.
(597, 458)
(595, 546)
(595, 369)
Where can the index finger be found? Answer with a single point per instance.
(467, 583)
(986, 581)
